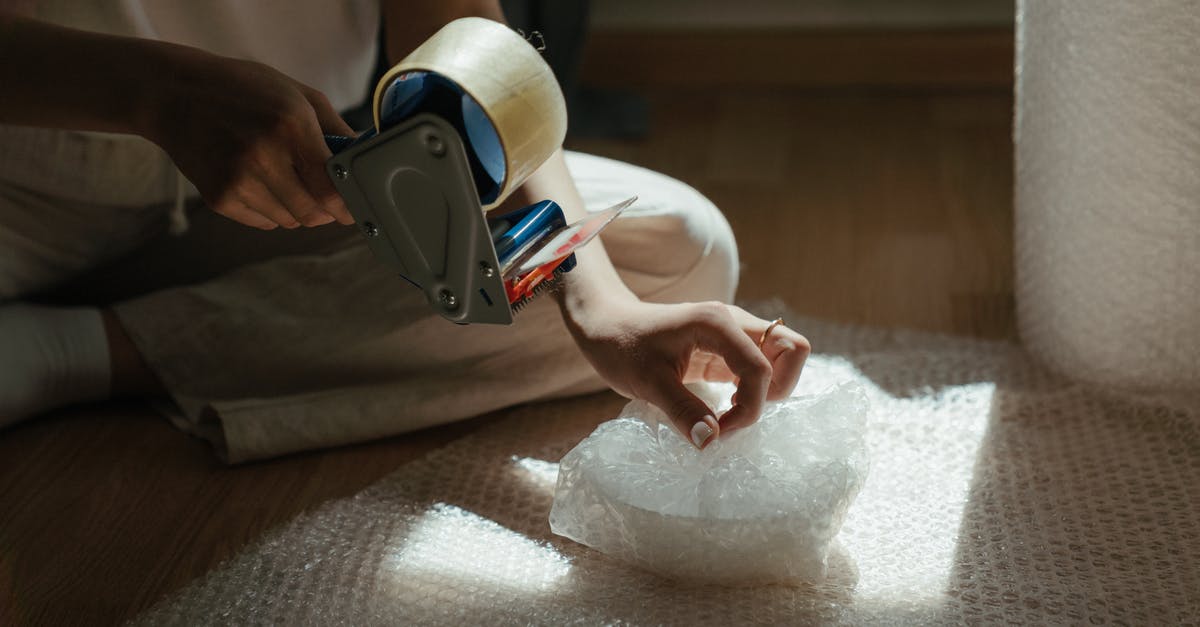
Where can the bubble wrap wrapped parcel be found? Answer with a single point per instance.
(759, 505)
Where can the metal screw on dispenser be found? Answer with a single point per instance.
(370, 229)
(487, 270)
(449, 300)
(340, 172)
(435, 144)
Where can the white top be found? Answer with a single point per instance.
(327, 44)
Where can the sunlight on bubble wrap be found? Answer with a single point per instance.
(904, 529)
(757, 506)
(449, 549)
(900, 535)
(538, 473)
(998, 493)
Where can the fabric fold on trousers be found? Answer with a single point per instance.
(314, 350)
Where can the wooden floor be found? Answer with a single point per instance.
(889, 208)
(886, 207)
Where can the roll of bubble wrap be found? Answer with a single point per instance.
(761, 505)
(998, 494)
(1108, 189)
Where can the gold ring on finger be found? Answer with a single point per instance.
(763, 339)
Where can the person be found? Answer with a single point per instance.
(120, 121)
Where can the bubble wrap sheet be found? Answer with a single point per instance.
(761, 505)
(997, 493)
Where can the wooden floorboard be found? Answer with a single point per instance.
(954, 59)
(887, 207)
(890, 209)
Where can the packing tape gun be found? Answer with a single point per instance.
(460, 123)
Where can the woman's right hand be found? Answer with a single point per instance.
(250, 139)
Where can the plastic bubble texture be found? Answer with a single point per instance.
(760, 505)
(999, 493)
(1107, 193)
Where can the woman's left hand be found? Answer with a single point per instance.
(648, 351)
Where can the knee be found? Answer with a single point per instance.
(673, 245)
(683, 249)
(718, 267)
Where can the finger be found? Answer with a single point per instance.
(788, 353)
(316, 179)
(753, 371)
(718, 371)
(786, 349)
(287, 186)
(238, 212)
(255, 195)
(327, 117)
(748, 401)
(314, 152)
(690, 415)
(705, 366)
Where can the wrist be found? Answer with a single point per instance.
(593, 289)
(157, 89)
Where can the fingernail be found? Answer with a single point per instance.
(317, 219)
(702, 431)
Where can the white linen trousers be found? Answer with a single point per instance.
(318, 344)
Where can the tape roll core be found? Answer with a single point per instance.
(412, 93)
(502, 78)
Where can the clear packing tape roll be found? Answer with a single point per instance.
(460, 123)
(507, 80)
(1108, 190)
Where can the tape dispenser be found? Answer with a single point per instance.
(459, 123)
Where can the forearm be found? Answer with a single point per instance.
(594, 280)
(66, 78)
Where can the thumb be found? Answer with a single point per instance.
(331, 123)
(690, 415)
